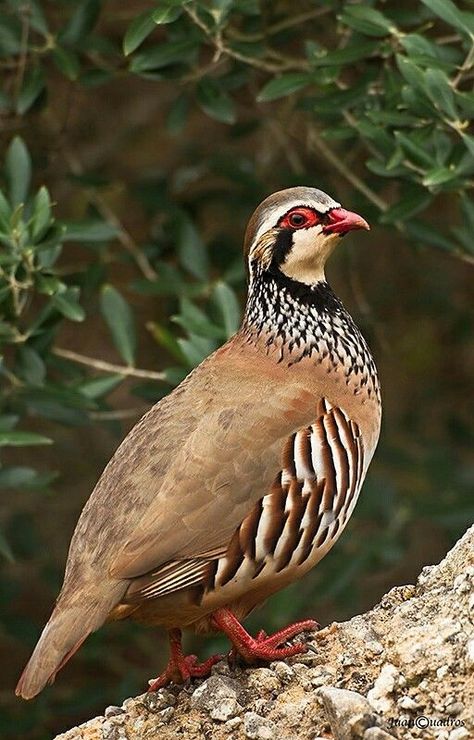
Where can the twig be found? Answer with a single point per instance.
(107, 367)
(465, 67)
(118, 414)
(315, 140)
(222, 48)
(123, 236)
(289, 151)
(282, 25)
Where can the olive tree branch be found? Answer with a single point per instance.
(107, 367)
(316, 141)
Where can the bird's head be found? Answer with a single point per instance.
(294, 231)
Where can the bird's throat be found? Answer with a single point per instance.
(292, 321)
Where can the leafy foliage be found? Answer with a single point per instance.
(138, 137)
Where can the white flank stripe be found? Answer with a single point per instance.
(260, 549)
(302, 469)
(327, 519)
(316, 457)
(336, 458)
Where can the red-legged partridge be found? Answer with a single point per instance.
(242, 479)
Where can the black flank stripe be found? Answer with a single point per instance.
(235, 558)
(305, 450)
(344, 460)
(248, 530)
(314, 520)
(329, 470)
(277, 520)
(292, 529)
(321, 539)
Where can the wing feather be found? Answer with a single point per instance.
(321, 476)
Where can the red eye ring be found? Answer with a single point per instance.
(299, 218)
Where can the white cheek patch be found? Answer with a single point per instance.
(305, 260)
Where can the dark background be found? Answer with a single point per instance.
(164, 158)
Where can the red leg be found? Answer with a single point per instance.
(182, 667)
(252, 649)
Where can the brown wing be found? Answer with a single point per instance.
(211, 472)
(306, 508)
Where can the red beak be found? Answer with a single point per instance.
(342, 221)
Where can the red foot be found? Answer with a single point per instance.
(181, 667)
(262, 647)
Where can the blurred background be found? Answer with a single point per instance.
(137, 138)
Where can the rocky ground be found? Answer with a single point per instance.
(403, 670)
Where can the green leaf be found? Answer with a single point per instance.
(414, 201)
(120, 320)
(162, 55)
(139, 29)
(414, 149)
(282, 86)
(177, 115)
(36, 16)
(92, 230)
(32, 87)
(31, 366)
(81, 22)
(195, 321)
(196, 349)
(18, 171)
(5, 214)
(440, 92)
(67, 304)
(165, 339)
(350, 53)
(23, 439)
(168, 11)
(428, 234)
(17, 477)
(215, 101)
(412, 74)
(41, 215)
(67, 62)
(439, 175)
(191, 249)
(451, 15)
(367, 20)
(98, 387)
(229, 307)
(469, 142)
(49, 284)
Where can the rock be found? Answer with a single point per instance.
(258, 728)
(385, 684)
(218, 695)
(370, 678)
(348, 713)
(376, 733)
(470, 654)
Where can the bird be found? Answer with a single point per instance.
(240, 480)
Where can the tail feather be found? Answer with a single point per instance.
(62, 636)
(68, 627)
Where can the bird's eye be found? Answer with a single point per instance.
(297, 220)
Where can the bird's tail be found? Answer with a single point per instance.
(68, 627)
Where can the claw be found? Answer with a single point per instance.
(262, 647)
(181, 668)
